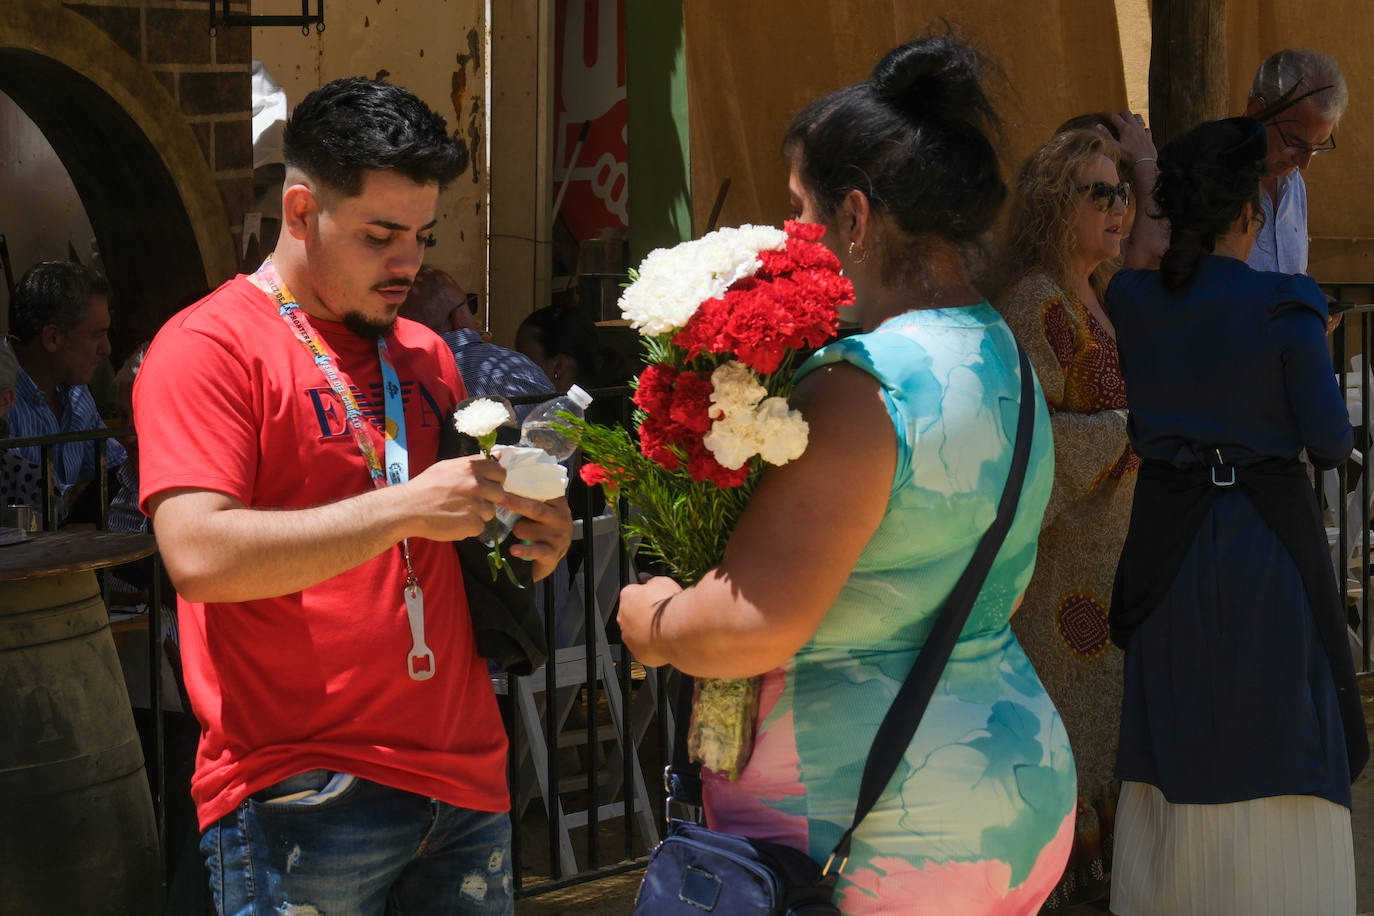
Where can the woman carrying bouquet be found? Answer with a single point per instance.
(1241, 724)
(1070, 214)
(844, 556)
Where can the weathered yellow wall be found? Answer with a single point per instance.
(752, 66)
(435, 48)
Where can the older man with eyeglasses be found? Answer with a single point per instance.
(1300, 95)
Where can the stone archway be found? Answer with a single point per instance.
(134, 160)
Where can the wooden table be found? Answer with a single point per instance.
(55, 553)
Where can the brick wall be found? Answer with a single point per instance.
(208, 77)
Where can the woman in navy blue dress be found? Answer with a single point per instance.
(1241, 724)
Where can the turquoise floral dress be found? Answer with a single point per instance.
(979, 818)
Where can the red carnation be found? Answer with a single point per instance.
(810, 232)
(655, 389)
(593, 474)
(653, 445)
(691, 403)
(702, 465)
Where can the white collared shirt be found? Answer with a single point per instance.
(1282, 241)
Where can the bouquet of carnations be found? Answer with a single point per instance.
(722, 319)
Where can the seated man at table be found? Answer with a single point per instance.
(438, 302)
(60, 321)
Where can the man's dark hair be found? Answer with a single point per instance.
(354, 125)
(53, 292)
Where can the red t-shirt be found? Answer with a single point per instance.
(228, 400)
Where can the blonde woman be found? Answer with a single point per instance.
(1071, 211)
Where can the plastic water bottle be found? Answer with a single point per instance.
(538, 431)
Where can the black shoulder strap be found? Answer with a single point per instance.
(904, 715)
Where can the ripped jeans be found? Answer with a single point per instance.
(328, 844)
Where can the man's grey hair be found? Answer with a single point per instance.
(433, 295)
(1284, 71)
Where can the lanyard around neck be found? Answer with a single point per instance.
(397, 459)
(420, 660)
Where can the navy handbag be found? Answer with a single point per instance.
(696, 870)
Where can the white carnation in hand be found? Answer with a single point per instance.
(781, 432)
(673, 282)
(734, 389)
(480, 417)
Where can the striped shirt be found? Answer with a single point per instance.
(73, 462)
(488, 368)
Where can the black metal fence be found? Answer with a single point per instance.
(1349, 518)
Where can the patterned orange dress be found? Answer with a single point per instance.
(1062, 622)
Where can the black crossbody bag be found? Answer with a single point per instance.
(697, 870)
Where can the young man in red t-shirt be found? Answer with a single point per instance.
(352, 756)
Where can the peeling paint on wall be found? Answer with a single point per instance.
(474, 55)
(475, 133)
(458, 96)
(460, 89)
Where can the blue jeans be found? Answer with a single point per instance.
(329, 844)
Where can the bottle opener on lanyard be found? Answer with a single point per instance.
(420, 660)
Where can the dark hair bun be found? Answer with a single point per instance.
(933, 79)
(913, 138)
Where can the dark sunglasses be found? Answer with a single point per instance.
(470, 300)
(1103, 194)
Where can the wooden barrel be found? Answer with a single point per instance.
(77, 833)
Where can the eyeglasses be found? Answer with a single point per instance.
(1103, 194)
(470, 300)
(1298, 146)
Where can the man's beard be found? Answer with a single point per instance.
(368, 328)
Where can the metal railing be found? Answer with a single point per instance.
(633, 849)
(1354, 302)
(45, 445)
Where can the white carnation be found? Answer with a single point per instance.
(480, 417)
(732, 441)
(781, 432)
(673, 282)
(734, 389)
(770, 430)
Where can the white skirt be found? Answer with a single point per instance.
(1290, 855)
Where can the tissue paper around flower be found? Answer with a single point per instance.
(531, 472)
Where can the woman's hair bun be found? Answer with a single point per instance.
(913, 138)
(931, 79)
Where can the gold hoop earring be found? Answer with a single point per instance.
(863, 254)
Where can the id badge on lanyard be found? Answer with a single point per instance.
(420, 659)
